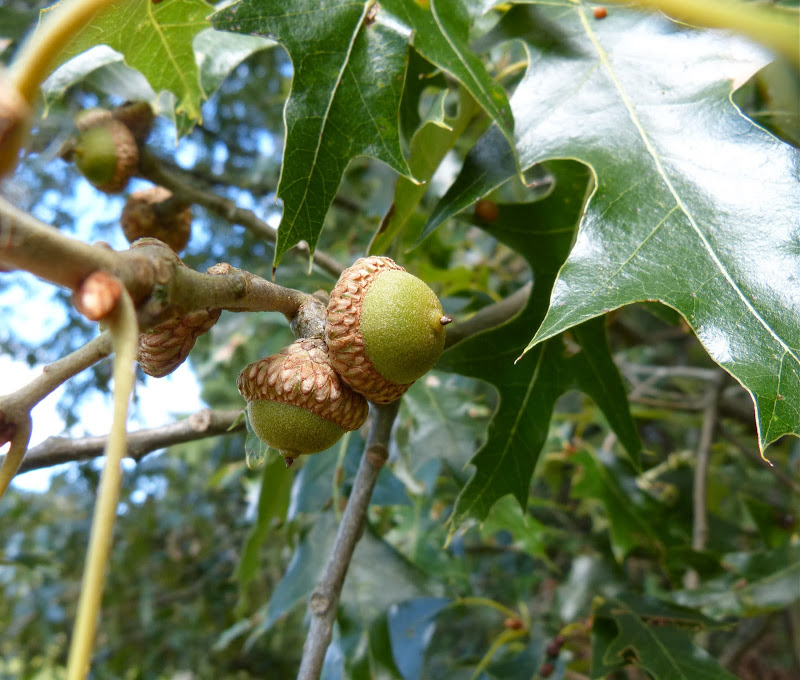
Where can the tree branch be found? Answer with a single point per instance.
(324, 601)
(700, 524)
(160, 285)
(199, 425)
(489, 317)
(15, 408)
(150, 168)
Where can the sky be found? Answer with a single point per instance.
(160, 402)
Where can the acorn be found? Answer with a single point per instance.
(385, 328)
(106, 153)
(151, 213)
(296, 402)
(165, 347)
(138, 117)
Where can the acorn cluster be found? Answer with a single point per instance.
(106, 151)
(384, 329)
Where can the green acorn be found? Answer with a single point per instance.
(296, 402)
(385, 328)
(106, 154)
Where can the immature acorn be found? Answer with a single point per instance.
(296, 402)
(106, 152)
(385, 328)
(148, 214)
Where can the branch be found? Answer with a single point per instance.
(199, 425)
(700, 525)
(160, 285)
(489, 317)
(15, 408)
(324, 601)
(150, 168)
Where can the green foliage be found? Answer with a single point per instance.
(538, 503)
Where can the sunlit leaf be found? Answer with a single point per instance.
(695, 206)
(156, 40)
(348, 79)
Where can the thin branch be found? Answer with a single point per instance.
(489, 317)
(324, 601)
(200, 425)
(150, 168)
(15, 408)
(700, 489)
(160, 285)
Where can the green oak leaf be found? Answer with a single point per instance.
(623, 635)
(348, 79)
(441, 35)
(156, 40)
(542, 233)
(695, 206)
(626, 507)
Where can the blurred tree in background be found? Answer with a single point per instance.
(592, 504)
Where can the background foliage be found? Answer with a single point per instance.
(536, 517)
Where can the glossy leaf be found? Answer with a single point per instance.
(664, 651)
(345, 99)
(542, 232)
(682, 177)
(441, 35)
(156, 40)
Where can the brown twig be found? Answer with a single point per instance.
(700, 488)
(150, 168)
(159, 284)
(15, 408)
(489, 317)
(324, 601)
(199, 425)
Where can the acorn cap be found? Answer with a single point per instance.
(142, 218)
(165, 346)
(138, 117)
(107, 155)
(301, 375)
(403, 328)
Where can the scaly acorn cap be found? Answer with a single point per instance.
(165, 347)
(107, 155)
(138, 117)
(141, 218)
(302, 375)
(385, 328)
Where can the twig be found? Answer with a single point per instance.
(159, 284)
(15, 408)
(700, 489)
(199, 425)
(150, 168)
(324, 601)
(489, 317)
